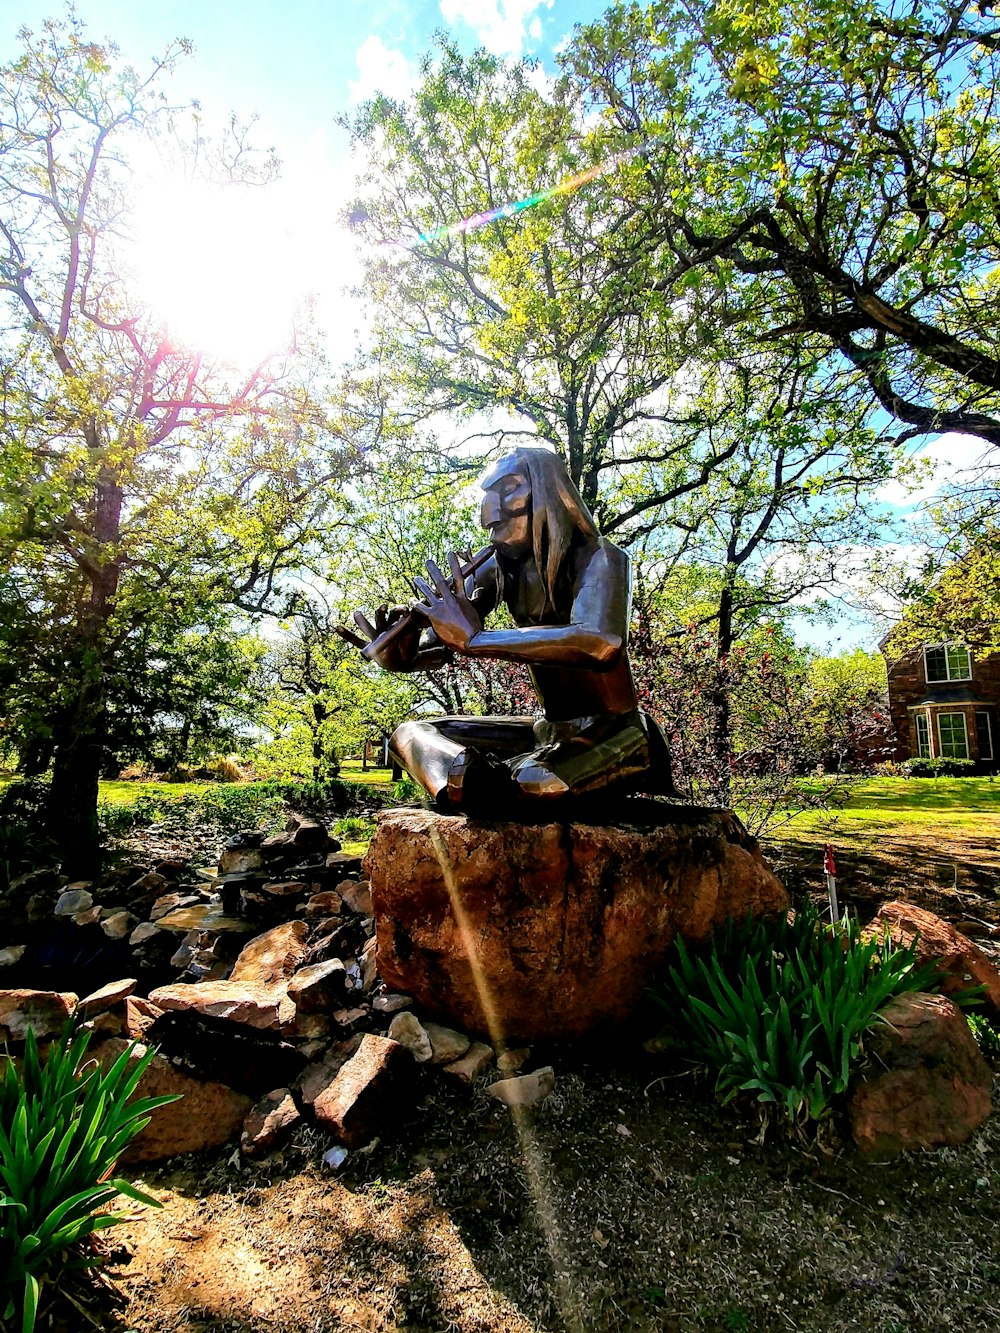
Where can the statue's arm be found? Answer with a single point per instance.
(596, 634)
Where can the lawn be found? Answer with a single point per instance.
(892, 833)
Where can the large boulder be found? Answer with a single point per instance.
(927, 1084)
(546, 929)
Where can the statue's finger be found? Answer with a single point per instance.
(440, 582)
(457, 578)
(365, 625)
(381, 618)
(424, 590)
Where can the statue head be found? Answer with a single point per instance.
(531, 507)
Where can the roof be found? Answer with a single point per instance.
(960, 694)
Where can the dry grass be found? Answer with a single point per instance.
(669, 1216)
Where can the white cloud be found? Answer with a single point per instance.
(381, 69)
(945, 459)
(502, 26)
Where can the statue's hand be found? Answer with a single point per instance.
(394, 638)
(454, 619)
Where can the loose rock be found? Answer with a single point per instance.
(254, 1003)
(525, 1089)
(115, 992)
(964, 962)
(271, 1120)
(207, 1115)
(45, 1012)
(407, 1029)
(273, 956)
(474, 1062)
(364, 1096)
(447, 1045)
(320, 987)
(928, 1084)
(72, 901)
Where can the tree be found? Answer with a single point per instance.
(141, 481)
(952, 595)
(829, 169)
(546, 323)
(770, 527)
(850, 709)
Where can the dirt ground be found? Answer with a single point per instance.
(628, 1201)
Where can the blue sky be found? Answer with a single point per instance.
(298, 63)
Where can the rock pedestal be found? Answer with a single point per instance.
(546, 929)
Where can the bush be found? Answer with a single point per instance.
(228, 808)
(24, 844)
(938, 768)
(778, 1008)
(408, 792)
(63, 1126)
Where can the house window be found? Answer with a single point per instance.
(984, 736)
(947, 661)
(923, 736)
(953, 736)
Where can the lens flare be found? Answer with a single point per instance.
(535, 1167)
(477, 220)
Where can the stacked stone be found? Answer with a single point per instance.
(255, 1028)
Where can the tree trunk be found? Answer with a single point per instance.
(722, 739)
(76, 767)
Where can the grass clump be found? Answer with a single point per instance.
(63, 1126)
(777, 1009)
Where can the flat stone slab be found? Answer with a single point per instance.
(547, 929)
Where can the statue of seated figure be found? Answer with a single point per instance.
(568, 592)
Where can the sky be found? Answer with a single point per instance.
(297, 66)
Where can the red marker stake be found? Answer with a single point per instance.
(830, 871)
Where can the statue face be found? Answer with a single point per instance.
(506, 512)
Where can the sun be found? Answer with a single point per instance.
(227, 268)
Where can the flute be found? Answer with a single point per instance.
(376, 643)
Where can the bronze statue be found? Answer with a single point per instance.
(568, 591)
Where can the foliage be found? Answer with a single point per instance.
(407, 792)
(986, 1035)
(548, 323)
(822, 171)
(954, 595)
(23, 844)
(938, 768)
(763, 685)
(147, 491)
(849, 707)
(778, 1009)
(63, 1126)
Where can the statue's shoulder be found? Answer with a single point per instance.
(601, 554)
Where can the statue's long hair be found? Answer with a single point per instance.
(558, 513)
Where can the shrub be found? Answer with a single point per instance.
(63, 1126)
(23, 841)
(229, 807)
(938, 768)
(408, 792)
(778, 1008)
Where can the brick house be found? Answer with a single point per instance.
(944, 701)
